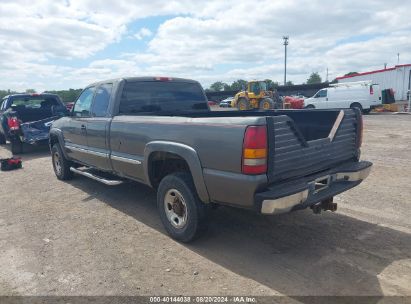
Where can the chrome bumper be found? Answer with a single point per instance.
(287, 203)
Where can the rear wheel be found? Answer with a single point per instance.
(243, 104)
(267, 104)
(356, 105)
(181, 211)
(16, 146)
(61, 165)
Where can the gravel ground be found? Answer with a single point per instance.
(84, 238)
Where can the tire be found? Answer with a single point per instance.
(243, 104)
(266, 104)
(366, 111)
(356, 105)
(61, 165)
(16, 146)
(181, 211)
(2, 139)
(310, 107)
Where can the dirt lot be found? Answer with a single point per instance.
(84, 238)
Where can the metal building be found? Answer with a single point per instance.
(397, 78)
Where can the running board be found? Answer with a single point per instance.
(105, 181)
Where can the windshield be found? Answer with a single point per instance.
(161, 96)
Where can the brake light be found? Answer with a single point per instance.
(371, 90)
(163, 78)
(254, 160)
(13, 123)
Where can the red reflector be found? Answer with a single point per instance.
(371, 90)
(163, 78)
(254, 169)
(13, 123)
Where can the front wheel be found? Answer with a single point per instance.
(61, 165)
(310, 107)
(243, 104)
(181, 211)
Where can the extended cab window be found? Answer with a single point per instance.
(102, 99)
(161, 96)
(322, 93)
(83, 103)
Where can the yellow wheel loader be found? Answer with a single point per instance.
(256, 96)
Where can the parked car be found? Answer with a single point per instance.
(26, 118)
(226, 103)
(160, 132)
(363, 95)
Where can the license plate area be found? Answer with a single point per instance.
(321, 183)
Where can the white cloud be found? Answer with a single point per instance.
(208, 41)
(143, 33)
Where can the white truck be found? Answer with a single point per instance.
(363, 95)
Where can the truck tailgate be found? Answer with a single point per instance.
(295, 153)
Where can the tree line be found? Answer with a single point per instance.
(69, 95)
(240, 84)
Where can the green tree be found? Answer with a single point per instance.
(351, 73)
(238, 85)
(217, 86)
(30, 91)
(289, 83)
(271, 85)
(314, 78)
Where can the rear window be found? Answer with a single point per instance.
(161, 96)
(34, 102)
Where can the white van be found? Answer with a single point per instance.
(361, 94)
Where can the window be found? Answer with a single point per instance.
(102, 99)
(34, 102)
(83, 103)
(322, 93)
(161, 96)
(3, 104)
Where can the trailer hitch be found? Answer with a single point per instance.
(325, 205)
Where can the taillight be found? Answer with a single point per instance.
(13, 123)
(371, 90)
(254, 160)
(163, 78)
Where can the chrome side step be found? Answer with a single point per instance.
(100, 179)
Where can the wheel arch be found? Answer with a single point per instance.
(172, 150)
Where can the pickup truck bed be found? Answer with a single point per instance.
(269, 161)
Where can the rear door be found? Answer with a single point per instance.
(75, 134)
(97, 127)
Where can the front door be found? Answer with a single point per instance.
(98, 127)
(75, 135)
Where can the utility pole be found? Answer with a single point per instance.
(285, 38)
(398, 58)
(326, 78)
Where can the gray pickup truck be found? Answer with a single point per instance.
(160, 131)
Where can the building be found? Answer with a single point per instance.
(397, 78)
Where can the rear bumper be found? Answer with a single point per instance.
(305, 192)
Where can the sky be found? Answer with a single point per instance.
(53, 44)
